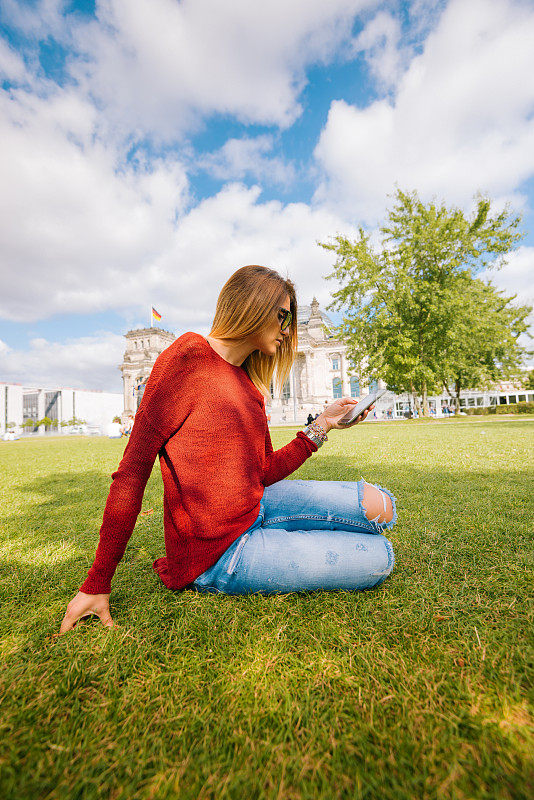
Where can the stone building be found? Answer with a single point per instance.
(143, 346)
(320, 372)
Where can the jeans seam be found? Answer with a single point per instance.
(391, 563)
(236, 557)
(320, 518)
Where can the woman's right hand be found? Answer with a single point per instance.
(84, 604)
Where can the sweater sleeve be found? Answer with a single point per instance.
(165, 406)
(281, 463)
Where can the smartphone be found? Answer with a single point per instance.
(360, 407)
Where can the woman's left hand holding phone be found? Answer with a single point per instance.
(334, 413)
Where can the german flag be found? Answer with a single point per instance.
(155, 314)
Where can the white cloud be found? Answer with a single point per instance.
(12, 66)
(423, 15)
(209, 242)
(461, 119)
(159, 66)
(80, 235)
(78, 230)
(37, 19)
(379, 41)
(230, 230)
(241, 157)
(87, 363)
(516, 276)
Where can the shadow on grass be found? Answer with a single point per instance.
(474, 515)
(48, 542)
(62, 506)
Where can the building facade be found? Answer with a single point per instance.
(21, 405)
(143, 346)
(321, 373)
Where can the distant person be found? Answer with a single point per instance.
(141, 390)
(233, 524)
(127, 425)
(310, 419)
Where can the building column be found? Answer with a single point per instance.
(41, 409)
(129, 405)
(309, 378)
(311, 383)
(345, 386)
(132, 399)
(299, 367)
(4, 421)
(126, 391)
(59, 412)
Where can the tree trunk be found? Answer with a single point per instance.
(426, 412)
(415, 400)
(457, 388)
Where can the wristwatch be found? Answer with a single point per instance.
(315, 433)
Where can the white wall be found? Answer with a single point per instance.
(96, 408)
(14, 404)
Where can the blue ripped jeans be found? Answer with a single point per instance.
(309, 535)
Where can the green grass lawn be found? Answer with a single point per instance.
(419, 689)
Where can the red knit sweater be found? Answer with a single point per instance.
(206, 420)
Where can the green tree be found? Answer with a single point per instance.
(46, 421)
(481, 344)
(74, 421)
(527, 379)
(404, 298)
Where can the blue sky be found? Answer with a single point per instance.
(151, 147)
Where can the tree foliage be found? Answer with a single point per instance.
(415, 314)
(527, 379)
(45, 421)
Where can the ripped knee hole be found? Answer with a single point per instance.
(377, 504)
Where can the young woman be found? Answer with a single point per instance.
(232, 523)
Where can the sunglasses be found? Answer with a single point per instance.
(284, 318)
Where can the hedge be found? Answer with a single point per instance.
(516, 408)
(513, 408)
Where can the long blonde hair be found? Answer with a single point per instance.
(246, 305)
